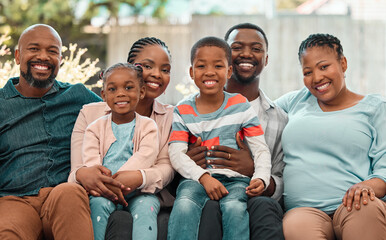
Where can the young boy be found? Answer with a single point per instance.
(216, 117)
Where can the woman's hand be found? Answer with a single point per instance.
(355, 193)
(213, 187)
(255, 188)
(197, 153)
(94, 180)
(240, 160)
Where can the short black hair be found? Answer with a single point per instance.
(137, 68)
(138, 46)
(246, 26)
(211, 42)
(320, 40)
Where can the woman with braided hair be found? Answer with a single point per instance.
(335, 151)
(154, 57)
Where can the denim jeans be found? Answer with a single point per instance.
(144, 209)
(191, 198)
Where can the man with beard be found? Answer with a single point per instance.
(249, 46)
(37, 114)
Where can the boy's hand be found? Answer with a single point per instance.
(213, 187)
(255, 188)
(197, 153)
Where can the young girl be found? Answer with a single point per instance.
(335, 151)
(154, 56)
(123, 139)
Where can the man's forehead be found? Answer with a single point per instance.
(245, 35)
(34, 35)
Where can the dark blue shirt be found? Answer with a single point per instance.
(35, 136)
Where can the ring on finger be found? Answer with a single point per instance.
(365, 189)
(229, 156)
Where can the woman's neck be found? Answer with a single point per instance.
(345, 99)
(145, 107)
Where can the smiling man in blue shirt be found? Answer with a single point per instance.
(37, 114)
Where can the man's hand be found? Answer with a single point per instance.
(237, 160)
(197, 153)
(94, 180)
(255, 188)
(213, 187)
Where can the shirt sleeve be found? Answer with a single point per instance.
(378, 147)
(182, 162)
(76, 145)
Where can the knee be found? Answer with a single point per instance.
(71, 190)
(234, 208)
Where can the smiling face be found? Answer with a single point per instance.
(249, 54)
(155, 62)
(122, 92)
(39, 56)
(210, 70)
(323, 73)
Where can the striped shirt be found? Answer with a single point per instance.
(217, 128)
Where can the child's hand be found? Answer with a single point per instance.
(131, 179)
(94, 180)
(255, 188)
(213, 187)
(117, 191)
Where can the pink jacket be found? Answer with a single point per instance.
(157, 176)
(99, 136)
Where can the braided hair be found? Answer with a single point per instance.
(320, 40)
(138, 46)
(134, 67)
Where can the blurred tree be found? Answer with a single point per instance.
(68, 19)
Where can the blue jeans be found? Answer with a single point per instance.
(144, 209)
(191, 198)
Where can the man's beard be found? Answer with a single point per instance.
(243, 80)
(35, 82)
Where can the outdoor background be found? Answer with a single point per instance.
(108, 28)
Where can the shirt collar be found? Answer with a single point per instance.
(266, 102)
(10, 91)
(159, 108)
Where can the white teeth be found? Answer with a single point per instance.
(246, 65)
(121, 103)
(151, 84)
(209, 82)
(40, 67)
(322, 87)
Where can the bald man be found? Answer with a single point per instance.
(37, 114)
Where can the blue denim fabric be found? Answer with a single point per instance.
(35, 135)
(143, 208)
(191, 198)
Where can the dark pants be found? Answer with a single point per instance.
(265, 221)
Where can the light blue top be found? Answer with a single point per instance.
(327, 152)
(122, 149)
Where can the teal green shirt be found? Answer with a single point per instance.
(327, 152)
(35, 135)
(122, 149)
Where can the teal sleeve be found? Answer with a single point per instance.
(377, 150)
